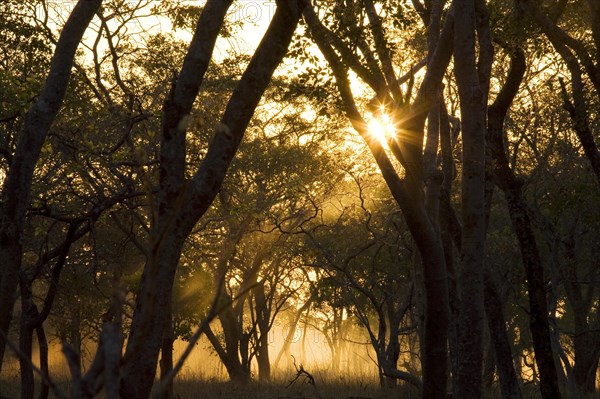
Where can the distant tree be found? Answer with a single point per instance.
(371, 281)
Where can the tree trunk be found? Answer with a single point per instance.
(489, 367)
(451, 231)
(26, 329)
(470, 278)
(263, 319)
(291, 331)
(183, 203)
(512, 188)
(30, 322)
(434, 358)
(166, 352)
(408, 194)
(149, 321)
(234, 354)
(25, 346)
(538, 307)
(17, 186)
(509, 382)
(43, 348)
(232, 363)
(586, 339)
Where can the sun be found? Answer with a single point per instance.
(382, 128)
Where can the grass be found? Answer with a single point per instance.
(281, 389)
(185, 388)
(188, 386)
(203, 376)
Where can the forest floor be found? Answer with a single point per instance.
(192, 384)
(200, 389)
(283, 389)
(189, 389)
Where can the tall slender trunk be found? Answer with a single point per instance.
(451, 231)
(407, 192)
(26, 370)
(489, 366)
(518, 211)
(470, 279)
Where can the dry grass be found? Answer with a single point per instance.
(188, 387)
(212, 389)
(203, 376)
(192, 384)
(275, 390)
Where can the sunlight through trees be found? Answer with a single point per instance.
(225, 198)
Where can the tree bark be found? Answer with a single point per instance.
(29, 314)
(489, 367)
(470, 280)
(166, 352)
(43, 347)
(586, 336)
(451, 231)
(263, 316)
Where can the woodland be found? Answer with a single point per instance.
(389, 198)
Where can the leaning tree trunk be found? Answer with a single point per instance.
(182, 202)
(17, 187)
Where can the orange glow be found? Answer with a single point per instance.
(382, 128)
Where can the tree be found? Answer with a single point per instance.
(472, 78)
(181, 203)
(406, 147)
(168, 192)
(16, 188)
(580, 57)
